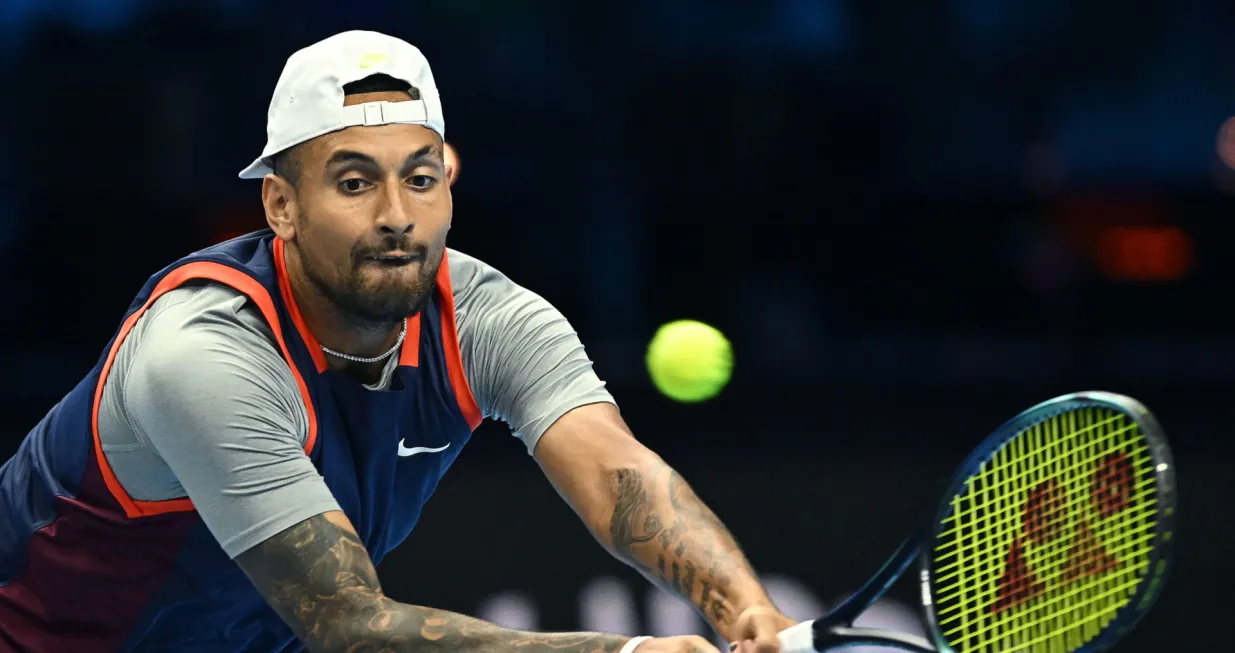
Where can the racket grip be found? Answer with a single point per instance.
(799, 638)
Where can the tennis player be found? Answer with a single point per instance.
(274, 411)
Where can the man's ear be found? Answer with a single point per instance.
(452, 163)
(279, 201)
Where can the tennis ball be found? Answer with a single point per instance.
(689, 361)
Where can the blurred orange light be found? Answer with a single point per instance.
(223, 236)
(1145, 253)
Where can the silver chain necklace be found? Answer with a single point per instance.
(374, 359)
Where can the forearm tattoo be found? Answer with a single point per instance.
(660, 525)
(319, 578)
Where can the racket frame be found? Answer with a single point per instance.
(835, 629)
(1149, 588)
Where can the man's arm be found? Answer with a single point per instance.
(319, 578)
(646, 515)
(527, 367)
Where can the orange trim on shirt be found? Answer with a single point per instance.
(174, 279)
(450, 347)
(285, 289)
(409, 354)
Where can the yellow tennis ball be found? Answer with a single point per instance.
(689, 361)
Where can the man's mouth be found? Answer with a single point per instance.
(394, 259)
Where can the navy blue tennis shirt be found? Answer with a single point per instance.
(101, 546)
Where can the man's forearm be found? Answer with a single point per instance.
(661, 527)
(399, 627)
(318, 576)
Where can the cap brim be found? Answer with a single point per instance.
(256, 170)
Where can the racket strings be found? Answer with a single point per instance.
(1145, 492)
(1072, 601)
(1030, 527)
(989, 571)
(1049, 538)
(1146, 502)
(1064, 449)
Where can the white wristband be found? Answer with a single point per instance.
(633, 643)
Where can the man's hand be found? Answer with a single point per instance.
(757, 628)
(684, 644)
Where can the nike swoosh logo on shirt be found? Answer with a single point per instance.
(412, 451)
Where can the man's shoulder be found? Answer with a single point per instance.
(196, 340)
(206, 311)
(480, 288)
(467, 271)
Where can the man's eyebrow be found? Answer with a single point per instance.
(428, 153)
(349, 156)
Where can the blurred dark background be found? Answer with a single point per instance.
(914, 218)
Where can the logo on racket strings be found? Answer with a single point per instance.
(1054, 547)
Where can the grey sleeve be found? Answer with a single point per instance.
(524, 362)
(200, 403)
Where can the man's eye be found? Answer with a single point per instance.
(422, 181)
(353, 185)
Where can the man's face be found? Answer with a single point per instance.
(374, 207)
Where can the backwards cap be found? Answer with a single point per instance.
(308, 100)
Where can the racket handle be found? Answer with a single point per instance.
(799, 638)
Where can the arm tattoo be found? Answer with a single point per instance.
(662, 527)
(319, 578)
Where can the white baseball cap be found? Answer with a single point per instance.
(308, 100)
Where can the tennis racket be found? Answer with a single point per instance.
(1055, 535)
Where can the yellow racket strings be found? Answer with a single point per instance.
(1049, 539)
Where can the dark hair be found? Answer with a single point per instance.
(286, 164)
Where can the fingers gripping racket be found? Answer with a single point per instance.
(1055, 535)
